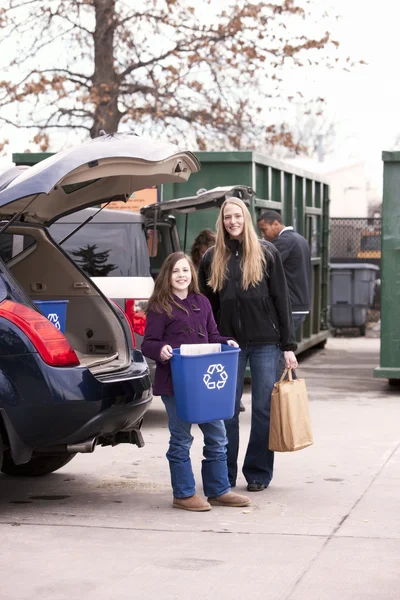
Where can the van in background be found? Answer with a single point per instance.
(111, 248)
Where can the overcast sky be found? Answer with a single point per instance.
(365, 102)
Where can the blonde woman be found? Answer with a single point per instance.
(244, 280)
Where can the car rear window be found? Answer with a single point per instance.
(106, 249)
(11, 245)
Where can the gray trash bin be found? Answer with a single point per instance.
(351, 294)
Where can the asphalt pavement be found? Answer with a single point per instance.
(328, 527)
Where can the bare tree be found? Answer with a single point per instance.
(311, 132)
(161, 65)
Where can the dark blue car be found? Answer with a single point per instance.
(69, 382)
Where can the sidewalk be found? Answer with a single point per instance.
(328, 527)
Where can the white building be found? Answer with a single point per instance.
(349, 192)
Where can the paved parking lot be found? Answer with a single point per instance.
(327, 528)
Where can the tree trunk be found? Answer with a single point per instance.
(104, 92)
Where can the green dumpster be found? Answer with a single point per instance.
(389, 367)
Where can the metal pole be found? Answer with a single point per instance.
(153, 241)
(185, 237)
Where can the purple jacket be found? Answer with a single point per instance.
(197, 327)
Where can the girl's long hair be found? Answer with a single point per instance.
(162, 298)
(253, 263)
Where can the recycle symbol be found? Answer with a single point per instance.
(53, 318)
(216, 377)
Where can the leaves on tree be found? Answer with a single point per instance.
(185, 71)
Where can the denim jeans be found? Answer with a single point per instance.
(259, 460)
(297, 321)
(214, 470)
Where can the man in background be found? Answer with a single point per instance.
(296, 258)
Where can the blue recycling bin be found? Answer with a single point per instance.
(55, 311)
(205, 385)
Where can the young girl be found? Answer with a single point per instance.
(178, 314)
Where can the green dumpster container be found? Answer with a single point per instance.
(389, 364)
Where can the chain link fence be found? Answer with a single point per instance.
(358, 241)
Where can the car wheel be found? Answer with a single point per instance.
(42, 464)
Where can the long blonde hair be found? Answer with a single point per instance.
(253, 263)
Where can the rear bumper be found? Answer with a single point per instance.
(46, 406)
(112, 420)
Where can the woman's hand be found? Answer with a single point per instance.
(232, 343)
(290, 360)
(166, 353)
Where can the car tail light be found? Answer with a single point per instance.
(128, 321)
(50, 343)
(134, 310)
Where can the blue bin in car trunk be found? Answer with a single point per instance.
(205, 385)
(55, 311)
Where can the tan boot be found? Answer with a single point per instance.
(193, 503)
(230, 499)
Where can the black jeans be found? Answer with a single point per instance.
(297, 321)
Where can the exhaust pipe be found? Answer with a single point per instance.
(84, 447)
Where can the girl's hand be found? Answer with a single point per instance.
(232, 343)
(290, 360)
(166, 353)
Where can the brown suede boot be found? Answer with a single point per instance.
(193, 503)
(230, 499)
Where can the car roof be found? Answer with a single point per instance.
(105, 216)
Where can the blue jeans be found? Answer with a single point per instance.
(259, 460)
(214, 470)
(297, 321)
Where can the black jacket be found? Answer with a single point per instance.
(258, 315)
(295, 254)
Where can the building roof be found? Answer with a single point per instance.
(326, 167)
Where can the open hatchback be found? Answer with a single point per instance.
(70, 386)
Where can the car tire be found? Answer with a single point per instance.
(41, 464)
(1, 451)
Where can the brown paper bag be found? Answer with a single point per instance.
(290, 427)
